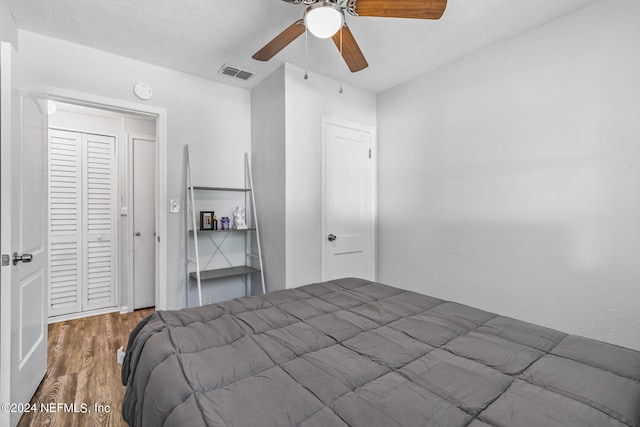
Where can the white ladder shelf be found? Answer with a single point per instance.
(253, 259)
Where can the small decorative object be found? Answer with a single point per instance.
(215, 223)
(225, 223)
(206, 220)
(238, 219)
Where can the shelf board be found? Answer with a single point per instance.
(225, 272)
(224, 231)
(196, 187)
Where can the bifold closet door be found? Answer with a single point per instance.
(82, 221)
(65, 210)
(100, 221)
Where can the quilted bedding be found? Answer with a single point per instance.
(356, 353)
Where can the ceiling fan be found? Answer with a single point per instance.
(325, 18)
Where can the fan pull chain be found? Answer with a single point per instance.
(306, 50)
(340, 62)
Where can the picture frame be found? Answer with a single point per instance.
(206, 220)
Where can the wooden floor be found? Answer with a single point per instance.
(82, 368)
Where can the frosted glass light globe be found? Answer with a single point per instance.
(324, 19)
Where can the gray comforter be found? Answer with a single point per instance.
(355, 353)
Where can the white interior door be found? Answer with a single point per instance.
(348, 201)
(24, 205)
(143, 222)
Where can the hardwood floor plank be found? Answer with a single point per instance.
(83, 372)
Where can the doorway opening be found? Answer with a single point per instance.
(102, 199)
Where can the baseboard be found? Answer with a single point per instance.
(80, 315)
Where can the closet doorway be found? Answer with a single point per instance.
(82, 218)
(94, 187)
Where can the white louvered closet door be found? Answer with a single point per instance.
(82, 208)
(100, 225)
(65, 208)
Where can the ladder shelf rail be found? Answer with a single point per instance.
(252, 258)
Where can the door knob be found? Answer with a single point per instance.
(331, 237)
(137, 233)
(24, 258)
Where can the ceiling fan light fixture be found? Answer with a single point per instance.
(324, 19)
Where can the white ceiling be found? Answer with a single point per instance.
(199, 36)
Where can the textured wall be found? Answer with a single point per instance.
(520, 167)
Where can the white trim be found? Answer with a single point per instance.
(97, 101)
(162, 291)
(128, 228)
(82, 314)
(374, 189)
(6, 51)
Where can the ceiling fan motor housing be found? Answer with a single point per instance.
(324, 18)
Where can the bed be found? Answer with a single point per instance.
(351, 352)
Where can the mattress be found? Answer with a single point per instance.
(351, 352)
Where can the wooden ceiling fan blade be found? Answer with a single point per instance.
(350, 50)
(280, 41)
(420, 9)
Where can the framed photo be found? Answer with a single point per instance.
(206, 220)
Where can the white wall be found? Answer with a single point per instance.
(306, 102)
(8, 28)
(269, 171)
(287, 113)
(110, 123)
(510, 179)
(213, 118)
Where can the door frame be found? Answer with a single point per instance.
(131, 214)
(7, 55)
(328, 120)
(160, 190)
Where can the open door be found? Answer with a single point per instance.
(23, 195)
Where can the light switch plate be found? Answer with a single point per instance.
(175, 206)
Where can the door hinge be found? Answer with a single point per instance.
(6, 259)
(369, 152)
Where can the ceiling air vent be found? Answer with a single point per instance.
(235, 72)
